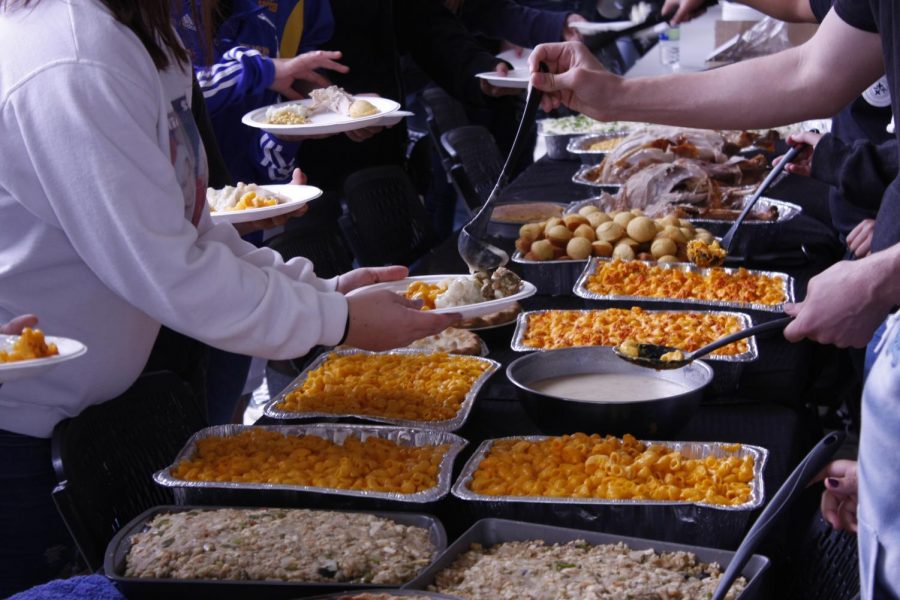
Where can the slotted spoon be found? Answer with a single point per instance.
(473, 244)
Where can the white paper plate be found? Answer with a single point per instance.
(516, 78)
(324, 121)
(467, 311)
(68, 349)
(587, 27)
(392, 118)
(298, 194)
(512, 57)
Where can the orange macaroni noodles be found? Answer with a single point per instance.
(583, 466)
(686, 331)
(415, 387)
(260, 456)
(635, 278)
(30, 345)
(427, 292)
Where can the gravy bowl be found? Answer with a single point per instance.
(657, 416)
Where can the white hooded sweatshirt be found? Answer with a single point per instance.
(104, 233)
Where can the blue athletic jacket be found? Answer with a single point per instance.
(237, 79)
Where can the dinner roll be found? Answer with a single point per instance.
(578, 248)
(585, 231)
(641, 229)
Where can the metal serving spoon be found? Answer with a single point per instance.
(650, 355)
(791, 154)
(796, 482)
(479, 254)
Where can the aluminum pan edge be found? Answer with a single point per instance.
(453, 424)
(788, 288)
(335, 432)
(517, 344)
(760, 456)
(786, 210)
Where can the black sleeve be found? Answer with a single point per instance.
(442, 46)
(861, 171)
(856, 13)
(513, 22)
(218, 172)
(820, 8)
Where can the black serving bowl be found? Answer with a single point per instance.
(653, 419)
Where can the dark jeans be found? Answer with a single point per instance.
(35, 545)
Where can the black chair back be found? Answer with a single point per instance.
(443, 113)
(105, 458)
(475, 162)
(384, 220)
(321, 243)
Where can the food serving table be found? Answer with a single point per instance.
(764, 408)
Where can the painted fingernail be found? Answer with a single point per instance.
(832, 482)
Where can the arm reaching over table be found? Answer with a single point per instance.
(793, 11)
(797, 84)
(846, 303)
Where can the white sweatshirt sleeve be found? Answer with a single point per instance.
(93, 164)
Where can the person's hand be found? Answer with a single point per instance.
(303, 68)
(570, 34)
(454, 6)
(358, 278)
(844, 304)
(505, 45)
(382, 320)
(575, 79)
(806, 141)
(839, 500)
(19, 323)
(298, 178)
(860, 239)
(685, 10)
(495, 92)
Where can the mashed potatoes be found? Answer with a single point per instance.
(242, 197)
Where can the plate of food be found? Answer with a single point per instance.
(469, 296)
(591, 27)
(250, 202)
(327, 110)
(515, 78)
(32, 353)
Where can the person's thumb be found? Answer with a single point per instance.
(552, 82)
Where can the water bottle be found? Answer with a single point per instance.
(669, 54)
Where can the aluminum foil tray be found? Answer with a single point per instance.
(786, 211)
(581, 146)
(490, 532)
(151, 587)
(589, 269)
(407, 593)
(691, 449)
(336, 433)
(550, 277)
(581, 177)
(272, 410)
(745, 321)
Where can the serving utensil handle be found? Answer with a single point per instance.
(814, 462)
(532, 102)
(789, 156)
(744, 333)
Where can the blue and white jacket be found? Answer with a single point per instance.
(238, 79)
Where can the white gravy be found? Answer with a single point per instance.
(608, 387)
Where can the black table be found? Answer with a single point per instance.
(766, 407)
